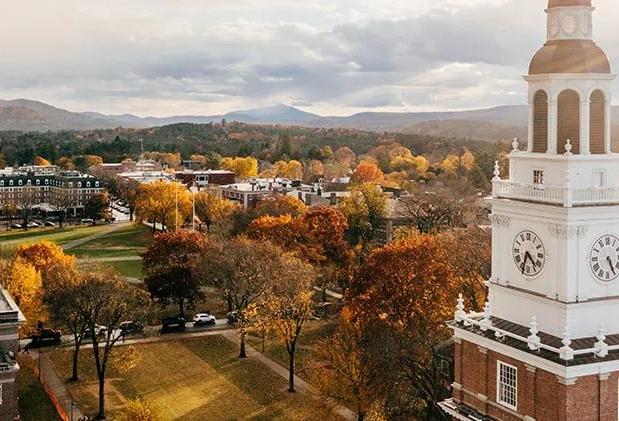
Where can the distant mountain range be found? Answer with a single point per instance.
(485, 124)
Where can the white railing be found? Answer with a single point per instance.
(564, 196)
(533, 342)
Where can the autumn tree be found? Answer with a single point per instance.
(433, 208)
(23, 282)
(278, 205)
(211, 209)
(345, 157)
(98, 207)
(367, 172)
(62, 296)
(170, 268)
(410, 284)
(84, 162)
(44, 255)
(41, 162)
(108, 301)
(242, 270)
(287, 306)
(242, 167)
(340, 368)
(128, 191)
(65, 163)
(364, 209)
(163, 203)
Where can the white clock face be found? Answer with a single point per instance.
(569, 24)
(604, 258)
(529, 253)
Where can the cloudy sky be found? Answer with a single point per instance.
(170, 57)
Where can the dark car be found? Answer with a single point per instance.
(131, 327)
(47, 337)
(173, 322)
(233, 317)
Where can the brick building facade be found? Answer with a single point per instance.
(546, 346)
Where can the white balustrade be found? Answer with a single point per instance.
(554, 194)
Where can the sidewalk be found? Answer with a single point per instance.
(300, 384)
(56, 385)
(79, 242)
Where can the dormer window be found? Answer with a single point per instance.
(538, 176)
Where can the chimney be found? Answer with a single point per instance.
(308, 199)
(300, 195)
(333, 199)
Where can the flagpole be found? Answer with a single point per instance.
(193, 210)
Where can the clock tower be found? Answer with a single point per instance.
(546, 346)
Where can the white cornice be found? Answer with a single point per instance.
(569, 76)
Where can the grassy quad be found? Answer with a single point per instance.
(55, 235)
(128, 241)
(194, 379)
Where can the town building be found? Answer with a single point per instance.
(250, 192)
(546, 346)
(10, 320)
(47, 188)
(204, 178)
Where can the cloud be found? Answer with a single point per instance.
(156, 57)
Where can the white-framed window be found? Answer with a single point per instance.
(507, 385)
(538, 176)
(599, 178)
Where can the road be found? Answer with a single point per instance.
(155, 332)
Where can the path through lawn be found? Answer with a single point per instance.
(195, 379)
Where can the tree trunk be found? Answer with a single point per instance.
(360, 416)
(242, 353)
(291, 369)
(181, 308)
(101, 414)
(229, 301)
(76, 354)
(131, 214)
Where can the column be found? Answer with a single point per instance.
(607, 398)
(553, 121)
(585, 126)
(531, 126)
(607, 120)
(528, 403)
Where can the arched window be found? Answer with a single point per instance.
(540, 122)
(569, 121)
(597, 122)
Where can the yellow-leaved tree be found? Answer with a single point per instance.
(241, 167)
(166, 205)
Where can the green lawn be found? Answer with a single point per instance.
(128, 268)
(54, 235)
(34, 404)
(194, 379)
(130, 240)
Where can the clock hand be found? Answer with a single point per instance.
(610, 263)
(527, 255)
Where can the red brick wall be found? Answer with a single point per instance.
(541, 395)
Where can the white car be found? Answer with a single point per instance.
(203, 319)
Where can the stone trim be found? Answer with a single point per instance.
(567, 382)
(565, 232)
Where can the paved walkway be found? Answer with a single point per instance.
(55, 383)
(111, 227)
(300, 384)
(113, 259)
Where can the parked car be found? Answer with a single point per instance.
(131, 327)
(177, 322)
(99, 331)
(46, 337)
(86, 221)
(50, 224)
(32, 225)
(201, 319)
(17, 226)
(233, 317)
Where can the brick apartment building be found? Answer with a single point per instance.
(546, 346)
(47, 188)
